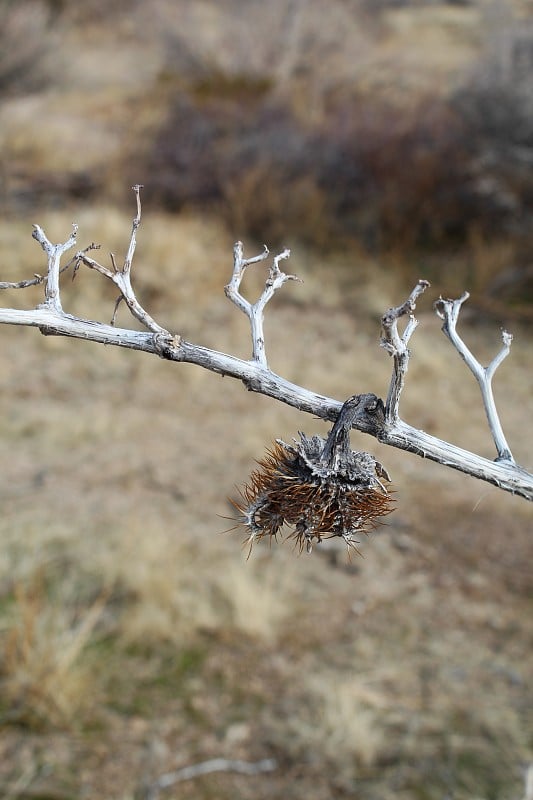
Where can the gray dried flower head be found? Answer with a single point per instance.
(318, 488)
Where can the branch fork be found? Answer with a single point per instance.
(255, 312)
(121, 276)
(395, 343)
(53, 253)
(448, 311)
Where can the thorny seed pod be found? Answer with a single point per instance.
(317, 487)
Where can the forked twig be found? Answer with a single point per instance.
(255, 311)
(53, 253)
(448, 310)
(121, 276)
(396, 345)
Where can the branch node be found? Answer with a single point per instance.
(166, 345)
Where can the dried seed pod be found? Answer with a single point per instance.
(319, 488)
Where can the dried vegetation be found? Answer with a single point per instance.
(134, 637)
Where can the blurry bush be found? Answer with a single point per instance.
(27, 44)
(287, 136)
(391, 178)
(396, 174)
(496, 107)
(243, 157)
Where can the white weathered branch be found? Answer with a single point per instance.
(206, 768)
(528, 780)
(448, 310)
(121, 276)
(378, 420)
(396, 345)
(255, 312)
(54, 253)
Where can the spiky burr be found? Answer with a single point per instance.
(317, 488)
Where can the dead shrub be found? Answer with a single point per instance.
(387, 178)
(427, 177)
(242, 156)
(398, 179)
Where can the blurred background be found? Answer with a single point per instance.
(383, 141)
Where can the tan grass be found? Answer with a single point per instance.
(341, 720)
(44, 675)
(180, 588)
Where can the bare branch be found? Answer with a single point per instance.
(54, 253)
(449, 310)
(528, 780)
(121, 277)
(396, 345)
(255, 312)
(22, 284)
(387, 427)
(118, 301)
(206, 768)
(136, 222)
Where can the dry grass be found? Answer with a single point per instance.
(46, 680)
(129, 618)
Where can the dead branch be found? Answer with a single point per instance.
(54, 252)
(255, 312)
(528, 780)
(387, 426)
(206, 768)
(448, 310)
(396, 346)
(121, 276)
(22, 284)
